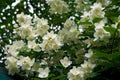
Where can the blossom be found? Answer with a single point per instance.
(41, 26)
(24, 19)
(24, 31)
(87, 67)
(75, 71)
(75, 74)
(11, 65)
(96, 11)
(51, 41)
(33, 45)
(101, 24)
(58, 6)
(80, 5)
(25, 62)
(69, 32)
(13, 49)
(43, 73)
(85, 16)
(65, 62)
(89, 54)
(101, 34)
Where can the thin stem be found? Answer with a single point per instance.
(114, 37)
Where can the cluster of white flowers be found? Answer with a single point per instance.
(69, 32)
(27, 30)
(33, 45)
(36, 38)
(100, 32)
(29, 33)
(41, 26)
(23, 19)
(58, 6)
(95, 12)
(78, 73)
(14, 63)
(11, 63)
(80, 6)
(38, 51)
(13, 49)
(104, 2)
(51, 41)
(25, 63)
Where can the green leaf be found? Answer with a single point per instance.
(97, 20)
(111, 30)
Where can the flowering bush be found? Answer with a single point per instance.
(75, 38)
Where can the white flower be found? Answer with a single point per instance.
(11, 65)
(75, 71)
(43, 73)
(97, 5)
(80, 5)
(85, 16)
(12, 49)
(101, 24)
(50, 1)
(101, 34)
(89, 54)
(76, 74)
(87, 67)
(69, 32)
(65, 62)
(96, 11)
(41, 25)
(51, 41)
(43, 62)
(25, 62)
(24, 19)
(58, 6)
(32, 35)
(24, 31)
(33, 45)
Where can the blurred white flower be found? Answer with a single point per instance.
(13, 49)
(24, 19)
(75, 71)
(43, 72)
(51, 41)
(96, 11)
(65, 62)
(41, 26)
(101, 34)
(33, 45)
(25, 62)
(11, 65)
(87, 67)
(75, 74)
(101, 24)
(89, 54)
(85, 16)
(58, 6)
(69, 32)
